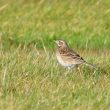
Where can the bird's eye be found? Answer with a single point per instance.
(60, 42)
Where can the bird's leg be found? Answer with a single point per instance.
(69, 67)
(79, 70)
(68, 70)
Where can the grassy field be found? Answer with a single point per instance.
(30, 76)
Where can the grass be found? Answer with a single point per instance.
(33, 81)
(29, 82)
(31, 78)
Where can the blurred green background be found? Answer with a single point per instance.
(83, 23)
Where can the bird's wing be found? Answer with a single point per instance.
(76, 56)
(72, 56)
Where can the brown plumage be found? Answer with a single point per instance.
(68, 57)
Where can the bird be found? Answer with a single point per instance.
(67, 57)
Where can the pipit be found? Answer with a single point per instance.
(67, 57)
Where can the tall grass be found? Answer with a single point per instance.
(33, 80)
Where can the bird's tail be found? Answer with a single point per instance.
(90, 65)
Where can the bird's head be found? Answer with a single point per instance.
(61, 43)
